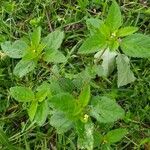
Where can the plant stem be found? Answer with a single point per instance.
(99, 58)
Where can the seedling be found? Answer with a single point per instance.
(37, 101)
(69, 112)
(109, 39)
(36, 49)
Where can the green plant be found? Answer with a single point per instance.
(31, 51)
(37, 107)
(109, 40)
(66, 109)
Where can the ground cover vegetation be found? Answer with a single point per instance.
(74, 75)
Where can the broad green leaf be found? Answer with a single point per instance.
(116, 135)
(36, 37)
(86, 75)
(64, 102)
(114, 19)
(55, 87)
(84, 96)
(104, 30)
(108, 63)
(96, 25)
(24, 67)
(32, 110)
(34, 52)
(98, 138)
(85, 135)
(54, 56)
(60, 122)
(126, 31)
(98, 69)
(30, 55)
(125, 75)
(53, 40)
(41, 113)
(66, 84)
(93, 44)
(113, 44)
(106, 110)
(16, 49)
(22, 94)
(43, 91)
(79, 126)
(136, 45)
(93, 25)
